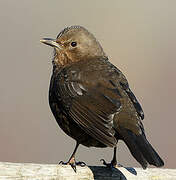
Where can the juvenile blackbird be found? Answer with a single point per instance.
(91, 100)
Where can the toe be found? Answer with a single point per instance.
(73, 166)
(113, 164)
(63, 163)
(80, 163)
(104, 162)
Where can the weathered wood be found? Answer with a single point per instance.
(27, 171)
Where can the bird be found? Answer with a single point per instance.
(91, 100)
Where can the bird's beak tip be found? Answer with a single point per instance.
(42, 40)
(47, 40)
(50, 42)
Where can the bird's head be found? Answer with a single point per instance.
(74, 44)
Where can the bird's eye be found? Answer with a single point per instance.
(73, 44)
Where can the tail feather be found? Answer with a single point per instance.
(141, 149)
(148, 152)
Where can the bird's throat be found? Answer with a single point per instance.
(61, 59)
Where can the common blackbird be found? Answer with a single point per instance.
(91, 100)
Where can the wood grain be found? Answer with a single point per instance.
(29, 171)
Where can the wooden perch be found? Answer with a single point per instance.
(27, 171)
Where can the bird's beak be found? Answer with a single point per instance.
(50, 42)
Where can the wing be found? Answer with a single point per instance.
(91, 101)
(128, 123)
(131, 112)
(138, 108)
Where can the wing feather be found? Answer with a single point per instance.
(91, 106)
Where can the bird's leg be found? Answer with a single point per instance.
(72, 161)
(113, 162)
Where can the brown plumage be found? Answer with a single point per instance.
(91, 99)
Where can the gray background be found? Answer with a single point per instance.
(139, 37)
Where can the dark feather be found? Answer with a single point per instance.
(135, 102)
(91, 99)
(141, 149)
(90, 103)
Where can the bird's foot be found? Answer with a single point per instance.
(73, 163)
(113, 164)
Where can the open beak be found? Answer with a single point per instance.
(50, 42)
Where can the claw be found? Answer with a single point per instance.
(73, 164)
(109, 165)
(80, 163)
(63, 163)
(73, 167)
(103, 161)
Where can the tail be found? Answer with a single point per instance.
(141, 149)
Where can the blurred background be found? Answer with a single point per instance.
(138, 36)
